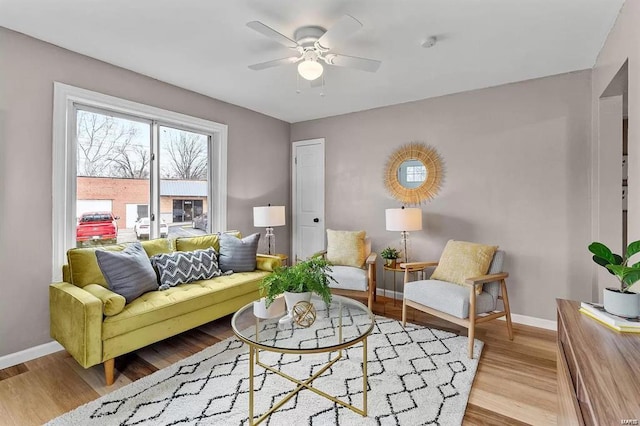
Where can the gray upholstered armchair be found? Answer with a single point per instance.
(353, 264)
(453, 302)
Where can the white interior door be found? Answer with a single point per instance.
(308, 198)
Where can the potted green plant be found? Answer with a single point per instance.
(390, 256)
(619, 301)
(297, 282)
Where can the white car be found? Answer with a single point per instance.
(141, 228)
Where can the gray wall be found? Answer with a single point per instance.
(622, 44)
(517, 175)
(258, 166)
(516, 157)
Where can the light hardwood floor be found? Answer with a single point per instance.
(515, 383)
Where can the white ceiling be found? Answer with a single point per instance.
(205, 45)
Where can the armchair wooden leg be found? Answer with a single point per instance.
(505, 300)
(375, 284)
(404, 312)
(472, 319)
(108, 370)
(370, 300)
(472, 333)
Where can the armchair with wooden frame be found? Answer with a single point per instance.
(454, 303)
(355, 282)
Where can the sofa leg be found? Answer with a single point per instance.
(108, 370)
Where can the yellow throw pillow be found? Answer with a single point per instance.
(346, 248)
(158, 246)
(461, 260)
(83, 265)
(201, 242)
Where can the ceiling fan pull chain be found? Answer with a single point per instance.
(297, 83)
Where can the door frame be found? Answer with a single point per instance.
(294, 201)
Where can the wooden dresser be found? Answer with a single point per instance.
(598, 371)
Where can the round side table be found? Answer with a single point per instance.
(394, 270)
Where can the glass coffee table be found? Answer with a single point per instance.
(342, 324)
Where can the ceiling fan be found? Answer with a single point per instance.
(314, 45)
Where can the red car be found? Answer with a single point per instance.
(97, 226)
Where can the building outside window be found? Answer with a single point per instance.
(147, 172)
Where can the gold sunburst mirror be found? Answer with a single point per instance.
(414, 173)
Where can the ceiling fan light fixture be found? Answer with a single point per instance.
(310, 70)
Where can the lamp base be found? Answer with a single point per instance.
(270, 241)
(404, 239)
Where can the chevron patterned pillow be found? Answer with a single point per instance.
(182, 267)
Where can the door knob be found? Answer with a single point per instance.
(316, 220)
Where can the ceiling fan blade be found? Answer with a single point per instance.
(275, 63)
(364, 64)
(272, 34)
(342, 29)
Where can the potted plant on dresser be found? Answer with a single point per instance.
(390, 256)
(298, 282)
(619, 301)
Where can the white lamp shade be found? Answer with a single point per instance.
(403, 219)
(268, 216)
(310, 70)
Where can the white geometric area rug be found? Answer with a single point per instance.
(416, 375)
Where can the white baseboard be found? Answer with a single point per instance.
(533, 321)
(16, 358)
(390, 294)
(516, 318)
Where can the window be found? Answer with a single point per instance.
(412, 173)
(113, 159)
(147, 172)
(416, 173)
(184, 170)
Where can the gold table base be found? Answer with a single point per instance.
(254, 358)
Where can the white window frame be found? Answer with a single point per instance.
(65, 166)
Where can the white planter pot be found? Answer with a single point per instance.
(276, 309)
(622, 304)
(293, 298)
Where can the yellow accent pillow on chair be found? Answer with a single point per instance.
(346, 248)
(461, 260)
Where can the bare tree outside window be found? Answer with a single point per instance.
(114, 155)
(111, 147)
(113, 168)
(184, 155)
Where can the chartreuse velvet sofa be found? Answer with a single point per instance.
(95, 324)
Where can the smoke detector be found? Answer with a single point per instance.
(430, 42)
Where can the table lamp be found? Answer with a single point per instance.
(269, 216)
(404, 220)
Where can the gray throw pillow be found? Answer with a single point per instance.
(185, 266)
(128, 272)
(238, 255)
